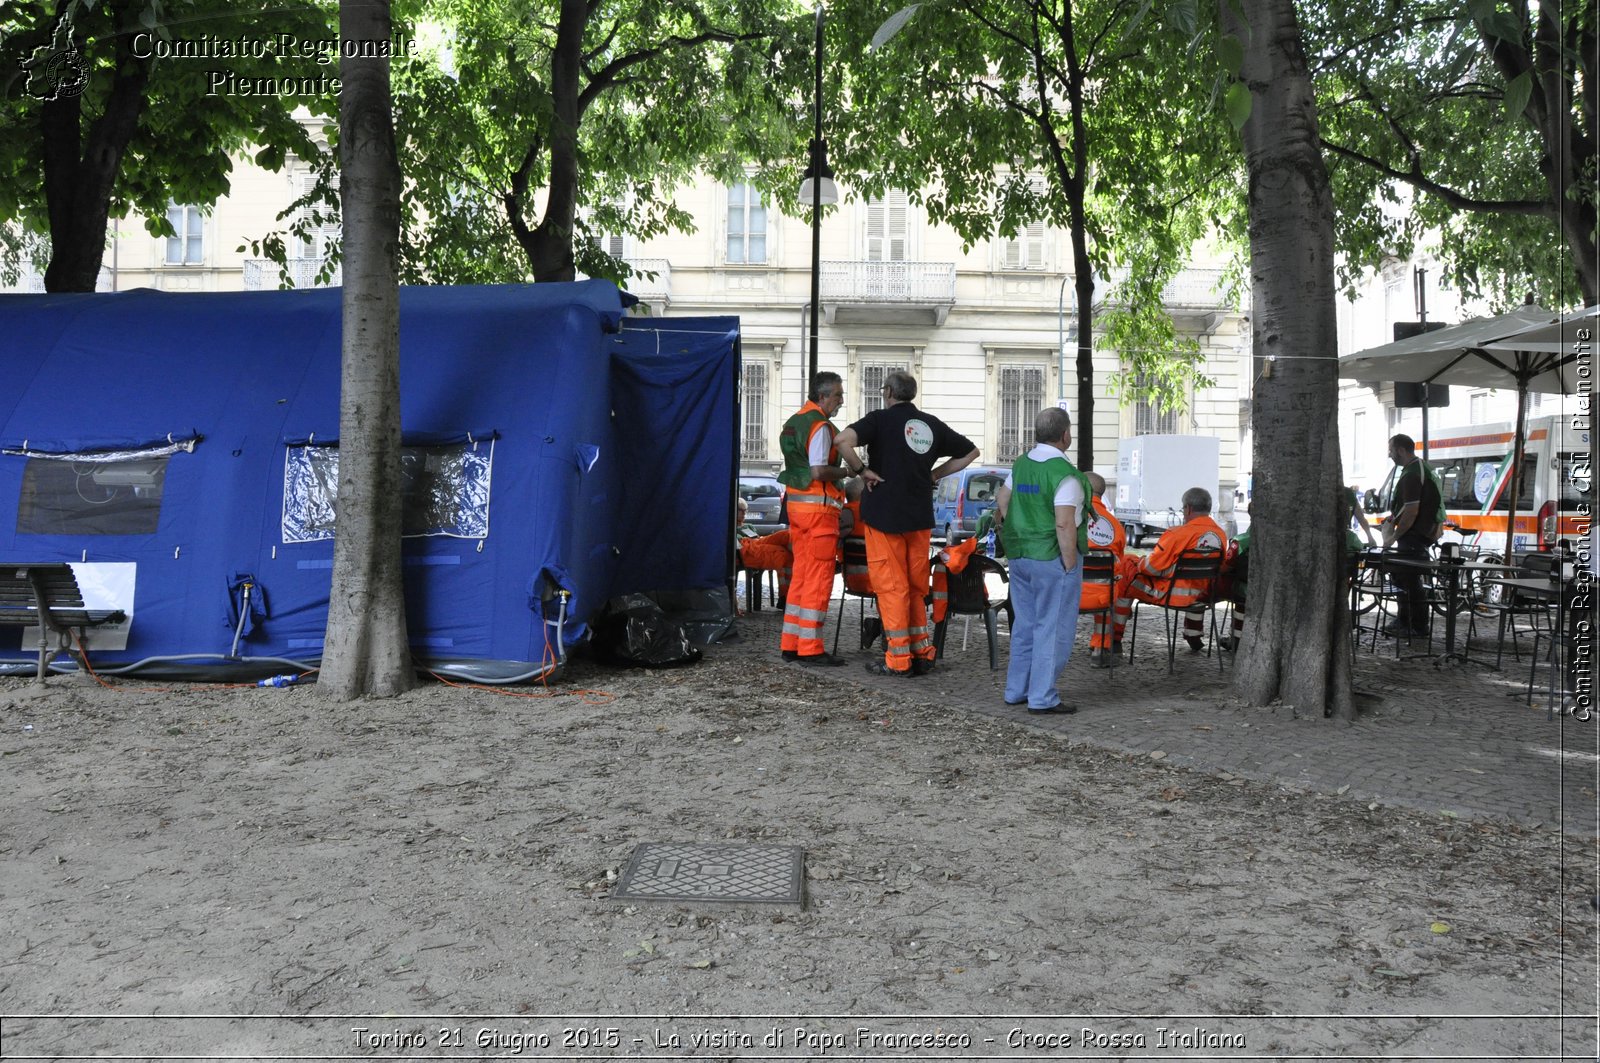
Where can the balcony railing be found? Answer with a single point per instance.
(914, 283)
(647, 288)
(1195, 288)
(261, 274)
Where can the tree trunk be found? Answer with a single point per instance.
(549, 244)
(1296, 645)
(80, 171)
(366, 649)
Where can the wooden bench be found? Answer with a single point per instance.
(47, 596)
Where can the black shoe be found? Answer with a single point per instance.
(1102, 659)
(871, 628)
(1062, 709)
(790, 655)
(921, 667)
(879, 668)
(1116, 648)
(821, 660)
(1195, 645)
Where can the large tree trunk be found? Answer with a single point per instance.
(1296, 646)
(366, 650)
(80, 170)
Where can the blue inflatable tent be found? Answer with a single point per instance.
(181, 452)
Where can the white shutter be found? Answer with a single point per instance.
(877, 229)
(899, 226)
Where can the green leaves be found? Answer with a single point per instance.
(1518, 90)
(1237, 102)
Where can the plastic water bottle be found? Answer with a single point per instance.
(278, 681)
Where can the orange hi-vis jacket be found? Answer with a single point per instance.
(1150, 581)
(950, 559)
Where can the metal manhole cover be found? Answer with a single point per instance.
(718, 874)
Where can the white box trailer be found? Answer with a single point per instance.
(1153, 472)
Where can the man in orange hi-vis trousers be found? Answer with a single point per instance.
(1150, 580)
(811, 474)
(1105, 533)
(905, 445)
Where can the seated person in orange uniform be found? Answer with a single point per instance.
(1150, 580)
(1105, 533)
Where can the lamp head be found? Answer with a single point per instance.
(816, 186)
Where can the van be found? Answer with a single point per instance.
(1557, 494)
(963, 497)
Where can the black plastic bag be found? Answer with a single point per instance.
(633, 632)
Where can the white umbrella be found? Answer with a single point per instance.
(1560, 336)
(1483, 352)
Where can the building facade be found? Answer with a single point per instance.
(988, 331)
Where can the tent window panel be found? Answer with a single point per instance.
(61, 496)
(445, 492)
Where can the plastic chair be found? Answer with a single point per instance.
(1192, 567)
(969, 596)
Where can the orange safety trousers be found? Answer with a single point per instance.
(771, 552)
(814, 537)
(899, 568)
(1146, 588)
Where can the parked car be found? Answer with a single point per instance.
(961, 499)
(764, 495)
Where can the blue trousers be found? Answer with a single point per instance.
(1044, 597)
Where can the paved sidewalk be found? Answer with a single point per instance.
(1454, 740)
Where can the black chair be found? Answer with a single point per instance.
(1100, 570)
(969, 596)
(1511, 604)
(1194, 567)
(853, 551)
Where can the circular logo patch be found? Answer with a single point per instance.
(1100, 533)
(919, 437)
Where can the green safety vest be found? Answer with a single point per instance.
(794, 443)
(1030, 527)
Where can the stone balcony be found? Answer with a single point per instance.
(876, 292)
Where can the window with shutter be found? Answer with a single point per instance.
(1021, 399)
(888, 227)
(753, 402)
(186, 247)
(1149, 418)
(873, 375)
(747, 225)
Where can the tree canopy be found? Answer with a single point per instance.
(106, 110)
(553, 123)
(1474, 121)
(1000, 113)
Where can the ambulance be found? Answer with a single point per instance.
(1471, 460)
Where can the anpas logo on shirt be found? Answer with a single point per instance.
(1100, 533)
(919, 437)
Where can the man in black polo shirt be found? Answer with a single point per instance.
(905, 444)
(1412, 526)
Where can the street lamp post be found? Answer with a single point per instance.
(818, 190)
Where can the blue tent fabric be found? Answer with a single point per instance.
(531, 371)
(677, 395)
